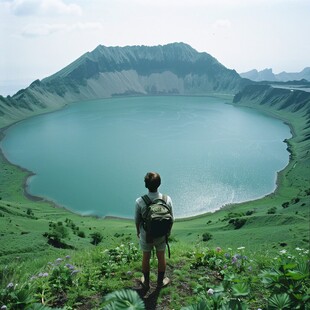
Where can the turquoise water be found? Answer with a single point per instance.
(91, 157)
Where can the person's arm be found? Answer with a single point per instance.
(138, 230)
(138, 219)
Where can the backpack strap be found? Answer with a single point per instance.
(146, 200)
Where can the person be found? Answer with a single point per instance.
(152, 182)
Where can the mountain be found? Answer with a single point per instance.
(268, 75)
(174, 68)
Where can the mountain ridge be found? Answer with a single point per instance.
(174, 68)
(268, 75)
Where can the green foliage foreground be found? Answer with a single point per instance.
(202, 279)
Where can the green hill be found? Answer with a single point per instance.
(273, 232)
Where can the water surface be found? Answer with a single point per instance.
(91, 157)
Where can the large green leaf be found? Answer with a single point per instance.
(240, 290)
(202, 305)
(123, 299)
(279, 302)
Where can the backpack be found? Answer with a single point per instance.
(158, 220)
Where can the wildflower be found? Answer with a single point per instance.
(282, 251)
(241, 248)
(234, 259)
(210, 291)
(33, 278)
(74, 272)
(69, 266)
(218, 249)
(10, 285)
(68, 257)
(43, 274)
(227, 255)
(225, 267)
(58, 260)
(4, 307)
(298, 249)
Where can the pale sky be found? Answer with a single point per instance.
(40, 37)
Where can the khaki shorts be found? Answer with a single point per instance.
(159, 244)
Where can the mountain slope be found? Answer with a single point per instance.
(132, 70)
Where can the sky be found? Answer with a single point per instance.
(40, 37)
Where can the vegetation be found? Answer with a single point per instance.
(201, 277)
(245, 256)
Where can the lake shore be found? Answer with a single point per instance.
(36, 198)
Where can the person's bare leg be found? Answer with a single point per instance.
(146, 268)
(161, 267)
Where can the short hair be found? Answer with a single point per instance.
(152, 181)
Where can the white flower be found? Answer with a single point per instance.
(283, 251)
(298, 249)
(210, 291)
(241, 248)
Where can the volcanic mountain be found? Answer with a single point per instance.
(172, 69)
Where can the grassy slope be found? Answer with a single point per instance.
(21, 235)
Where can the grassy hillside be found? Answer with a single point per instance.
(34, 232)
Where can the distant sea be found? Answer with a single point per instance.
(91, 157)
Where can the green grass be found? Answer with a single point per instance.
(24, 250)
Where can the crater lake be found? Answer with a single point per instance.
(91, 157)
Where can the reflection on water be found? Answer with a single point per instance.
(92, 156)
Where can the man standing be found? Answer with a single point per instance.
(152, 182)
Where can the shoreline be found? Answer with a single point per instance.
(34, 198)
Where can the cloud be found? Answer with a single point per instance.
(44, 7)
(222, 24)
(39, 30)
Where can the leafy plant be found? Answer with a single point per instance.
(280, 302)
(272, 210)
(288, 280)
(206, 236)
(123, 299)
(96, 238)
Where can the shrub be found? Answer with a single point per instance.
(96, 238)
(206, 236)
(81, 234)
(237, 222)
(285, 205)
(29, 212)
(272, 210)
(295, 200)
(232, 215)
